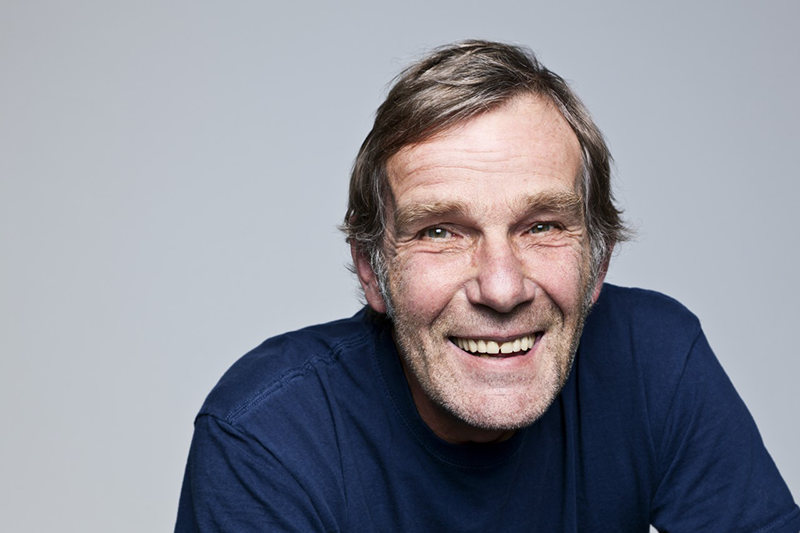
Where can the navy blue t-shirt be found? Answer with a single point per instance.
(316, 430)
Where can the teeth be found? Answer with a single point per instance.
(492, 347)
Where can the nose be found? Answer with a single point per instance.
(500, 280)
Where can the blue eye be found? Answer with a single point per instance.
(437, 233)
(541, 228)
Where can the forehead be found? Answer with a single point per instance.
(524, 146)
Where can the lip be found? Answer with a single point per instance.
(499, 338)
(521, 358)
(477, 368)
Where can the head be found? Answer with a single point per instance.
(481, 219)
(448, 87)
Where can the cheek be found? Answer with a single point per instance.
(561, 273)
(427, 283)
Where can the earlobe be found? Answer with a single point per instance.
(368, 279)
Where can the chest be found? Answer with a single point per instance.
(567, 474)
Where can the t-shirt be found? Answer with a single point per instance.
(316, 430)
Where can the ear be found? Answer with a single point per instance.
(601, 276)
(368, 279)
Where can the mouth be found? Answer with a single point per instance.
(493, 349)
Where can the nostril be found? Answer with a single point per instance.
(502, 292)
(500, 281)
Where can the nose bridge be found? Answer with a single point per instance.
(500, 281)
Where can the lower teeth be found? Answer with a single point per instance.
(498, 356)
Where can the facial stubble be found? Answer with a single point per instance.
(425, 357)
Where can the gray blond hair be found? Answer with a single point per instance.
(447, 87)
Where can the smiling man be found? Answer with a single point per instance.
(487, 252)
(494, 381)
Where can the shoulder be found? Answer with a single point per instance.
(643, 320)
(641, 306)
(291, 360)
(635, 348)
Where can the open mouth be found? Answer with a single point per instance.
(489, 348)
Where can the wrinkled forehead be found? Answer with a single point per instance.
(525, 137)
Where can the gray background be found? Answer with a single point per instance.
(173, 172)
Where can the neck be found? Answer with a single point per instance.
(444, 424)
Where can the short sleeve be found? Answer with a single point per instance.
(715, 473)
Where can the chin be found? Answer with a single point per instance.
(504, 410)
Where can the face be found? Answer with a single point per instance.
(488, 269)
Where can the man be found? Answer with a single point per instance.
(494, 382)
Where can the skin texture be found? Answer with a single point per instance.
(486, 240)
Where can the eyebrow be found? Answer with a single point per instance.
(410, 215)
(566, 203)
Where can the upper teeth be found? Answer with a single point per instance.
(492, 347)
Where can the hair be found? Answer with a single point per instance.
(448, 87)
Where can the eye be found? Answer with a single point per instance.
(541, 227)
(437, 233)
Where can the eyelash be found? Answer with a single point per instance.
(541, 227)
(441, 233)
